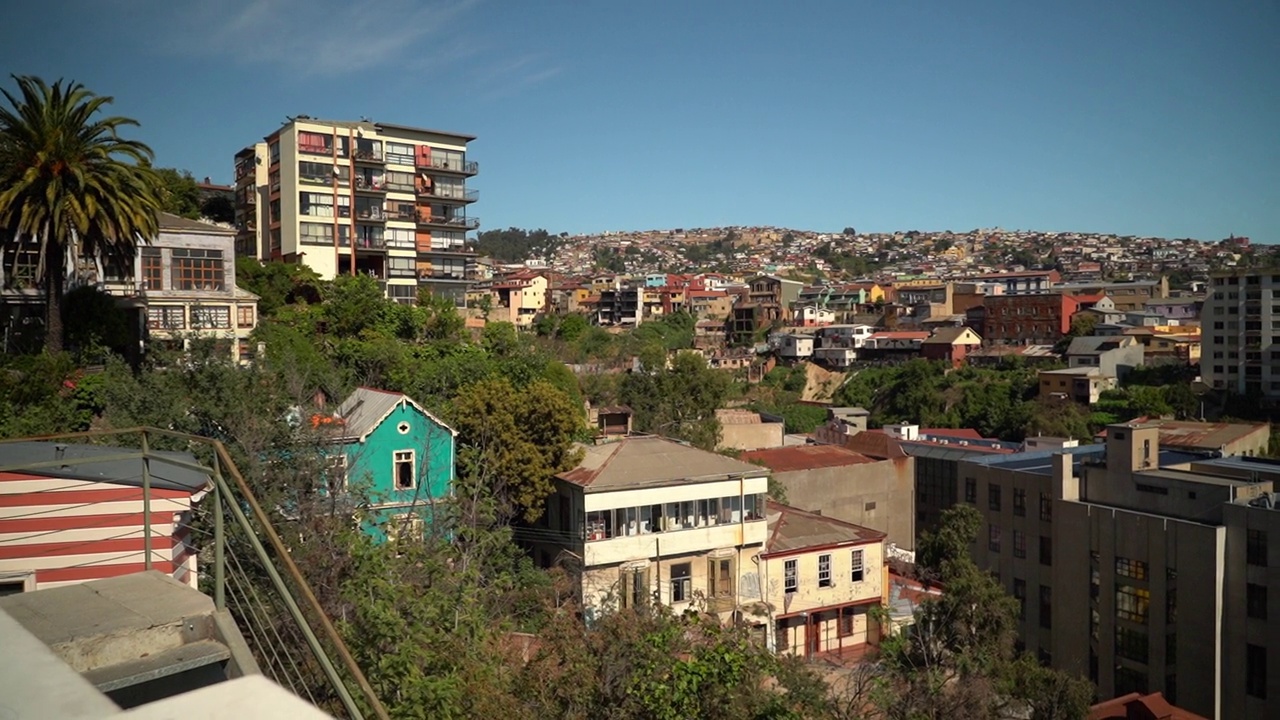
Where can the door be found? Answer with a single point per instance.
(812, 635)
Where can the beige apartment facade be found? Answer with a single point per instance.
(344, 198)
(1141, 568)
(1240, 324)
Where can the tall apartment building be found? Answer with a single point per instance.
(343, 197)
(1141, 568)
(1239, 325)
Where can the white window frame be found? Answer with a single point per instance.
(685, 583)
(856, 570)
(13, 577)
(413, 521)
(824, 570)
(397, 457)
(790, 576)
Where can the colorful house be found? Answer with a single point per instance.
(394, 450)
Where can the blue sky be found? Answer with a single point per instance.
(1153, 117)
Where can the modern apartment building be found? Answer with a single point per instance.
(1240, 324)
(344, 198)
(1141, 568)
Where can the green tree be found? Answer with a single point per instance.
(513, 442)
(94, 324)
(679, 402)
(218, 208)
(70, 185)
(277, 283)
(179, 194)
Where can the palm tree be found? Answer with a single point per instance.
(70, 186)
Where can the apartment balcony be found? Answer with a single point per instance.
(370, 185)
(325, 149)
(445, 276)
(368, 157)
(371, 215)
(371, 245)
(403, 215)
(448, 166)
(450, 196)
(452, 223)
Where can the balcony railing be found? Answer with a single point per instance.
(462, 196)
(368, 156)
(364, 184)
(468, 223)
(462, 167)
(371, 243)
(371, 215)
(315, 149)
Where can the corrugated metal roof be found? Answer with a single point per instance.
(807, 457)
(164, 475)
(648, 461)
(792, 529)
(366, 408)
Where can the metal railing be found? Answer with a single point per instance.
(254, 575)
(466, 167)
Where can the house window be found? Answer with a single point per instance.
(405, 526)
(993, 538)
(1046, 508)
(1256, 601)
(211, 317)
(1019, 502)
(720, 578)
(195, 269)
(790, 579)
(634, 587)
(404, 470)
(993, 497)
(855, 560)
(1135, 569)
(681, 582)
(1046, 550)
(312, 233)
(1132, 603)
(970, 490)
(1020, 594)
(824, 571)
(1256, 547)
(599, 525)
(335, 471)
(244, 316)
(1046, 606)
(152, 269)
(1255, 671)
(845, 627)
(164, 317)
(1019, 544)
(1131, 644)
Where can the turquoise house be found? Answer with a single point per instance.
(396, 452)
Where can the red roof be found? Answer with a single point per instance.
(805, 457)
(1140, 707)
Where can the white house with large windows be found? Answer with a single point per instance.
(645, 519)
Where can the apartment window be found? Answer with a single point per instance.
(195, 269)
(1046, 606)
(335, 471)
(1256, 547)
(152, 269)
(1126, 567)
(404, 470)
(993, 497)
(681, 582)
(1046, 508)
(400, 181)
(824, 571)
(1132, 603)
(790, 579)
(274, 150)
(1256, 601)
(310, 233)
(633, 587)
(400, 238)
(720, 578)
(1020, 594)
(970, 490)
(1255, 671)
(855, 562)
(216, 317)
(1046, 550)
(1019, 544)
(401, 267)
(314, 172)
(399, 153)
(1019, 502)
(993, 538)
(314, 204)
(1131, 644)
(161, 317)
(244, 316)
(344, 206)
(244, 350)
(315, 143)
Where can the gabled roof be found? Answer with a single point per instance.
(365, 409)
(950, 335)
(1094, 344)
(794, 530)
(651, 461)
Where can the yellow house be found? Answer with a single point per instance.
(820, 578)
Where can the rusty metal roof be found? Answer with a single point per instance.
(805, 457)
(792, 529)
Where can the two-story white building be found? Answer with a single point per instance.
(645, 519)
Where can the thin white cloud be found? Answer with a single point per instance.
(322, 37)
(510, 77)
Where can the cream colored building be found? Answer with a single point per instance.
(519, 298)
(646, 519)
(366, 197)
(820, 578)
